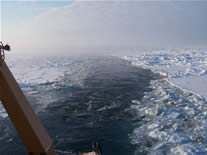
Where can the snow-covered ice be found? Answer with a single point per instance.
(174, 119)
(186, 68)
(174, 115)
(32, 70)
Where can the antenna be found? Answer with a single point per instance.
(2, 48)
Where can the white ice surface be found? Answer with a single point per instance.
(29, 70)
(186, 68)
(174, 118)
(174, 121)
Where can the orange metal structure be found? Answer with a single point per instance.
(24, 119)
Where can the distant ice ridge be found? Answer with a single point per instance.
(186, 68)
(174, 121)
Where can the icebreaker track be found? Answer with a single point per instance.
(128, 110)
(90, 102)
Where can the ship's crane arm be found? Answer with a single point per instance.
(24, 119)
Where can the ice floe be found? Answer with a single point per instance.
(174, 121)
(185, 67)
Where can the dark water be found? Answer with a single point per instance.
(91, 107)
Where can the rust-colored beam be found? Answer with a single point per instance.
(24, 119)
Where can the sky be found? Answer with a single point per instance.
(67, 25)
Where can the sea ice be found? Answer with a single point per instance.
(186, 68)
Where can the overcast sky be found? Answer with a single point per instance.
(102, 24)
